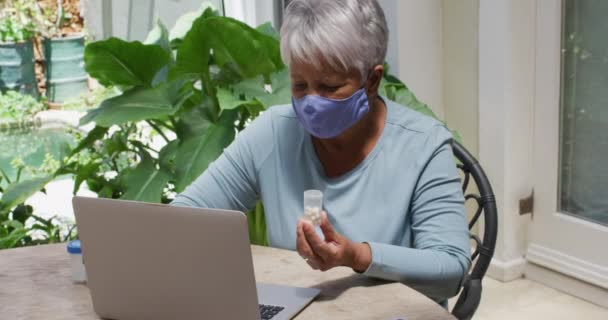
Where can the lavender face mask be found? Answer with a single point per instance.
(327, 118)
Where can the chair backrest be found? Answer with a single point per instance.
(470, 295)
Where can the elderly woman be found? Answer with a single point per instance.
(393, 204)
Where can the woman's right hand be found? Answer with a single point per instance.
(335, 251)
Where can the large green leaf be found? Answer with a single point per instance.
(246, 49)
(397, 91)
(196, 152)
(138, 104)
(184, 23)
(145, 182)
(13, 238)
(235, 45)
(160, 36)
(269, 30)
(17, 193)
(116, 143)
(166, 156)
(228, 101)
(85, 172)
(118, 62)
(22, 212)
(194, 117)
(257, 225)
(254, 88)
(193, 53)
(281, 90)
(94, 135)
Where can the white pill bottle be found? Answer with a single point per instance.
(313, 206)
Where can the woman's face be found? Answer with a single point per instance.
(328, 83)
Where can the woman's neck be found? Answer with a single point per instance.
(343, 153)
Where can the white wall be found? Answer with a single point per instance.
(460, 69)
(420, 50)
(391, 13)
(133, 19)
(437, 57)
(506, 102)
(253, 13)
(473, 62)
(91, 11)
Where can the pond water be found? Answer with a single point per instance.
(31, 145)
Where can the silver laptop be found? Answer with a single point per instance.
(151, 261)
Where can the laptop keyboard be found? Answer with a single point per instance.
(268, 312)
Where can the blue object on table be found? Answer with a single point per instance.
(74, 247)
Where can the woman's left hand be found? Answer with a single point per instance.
(335, 251)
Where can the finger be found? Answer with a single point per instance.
(301, 245)
(314, 264)
(304, 248)
(325, 267)
(328, 230)
(326, 252)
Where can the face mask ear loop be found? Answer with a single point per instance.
(369, 73)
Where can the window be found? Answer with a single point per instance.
(584, 111)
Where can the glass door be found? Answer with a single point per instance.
(569, 231)
(584, 111)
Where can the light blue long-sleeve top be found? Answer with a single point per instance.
(404, 199)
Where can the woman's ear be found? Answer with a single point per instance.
(374, 80)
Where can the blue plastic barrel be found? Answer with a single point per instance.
(65, 74)
(17, 68)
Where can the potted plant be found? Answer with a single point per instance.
(17, 29)
(63, 41)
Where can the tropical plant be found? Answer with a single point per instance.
(19, 226)
(190, 95)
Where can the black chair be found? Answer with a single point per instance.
(470, 295)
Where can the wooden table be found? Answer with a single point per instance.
(35, 283)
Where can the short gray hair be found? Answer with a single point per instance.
(347, 34)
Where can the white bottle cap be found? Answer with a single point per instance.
(313, 205)
(313, 199)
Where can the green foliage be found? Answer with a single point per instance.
(17, 107)
(15, 31)
(145, 182)
(234, 44)
(139, 103)
(196, 152)
(21, 20)
(17, 20)
(17, 193)
(22, 228)
(19, 226)
(186, 97)
(120, 63)
(257, 226)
